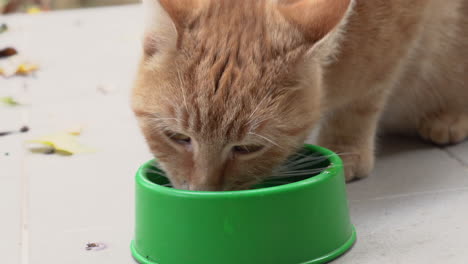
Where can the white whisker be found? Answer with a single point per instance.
(257, 123)
(182, 84)
(296, 160)
(299, 154)
(299, 173)
(167, 118)
(259, 105)
(303, 164)
(159, 172)
(265, 138)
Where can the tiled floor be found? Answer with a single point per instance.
(413, 210)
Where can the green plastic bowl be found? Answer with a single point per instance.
(302, 222)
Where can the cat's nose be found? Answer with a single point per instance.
(208, 172)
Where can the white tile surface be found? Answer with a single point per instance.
(413, 210)
(72, 200)
(89, 197)
(11, 164)
(11, 179)
(415, 228)
(409, 166)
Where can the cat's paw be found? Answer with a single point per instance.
(357, 165)
(445, 129)
(357, 162)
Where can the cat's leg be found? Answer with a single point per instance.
(350, 131)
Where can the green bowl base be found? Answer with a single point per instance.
(324, 259)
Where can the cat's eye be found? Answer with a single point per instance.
(246, 149)
(178, 137)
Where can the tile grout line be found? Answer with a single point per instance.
(24, 257)
(412, 194)
(454, 157)
(24, 218)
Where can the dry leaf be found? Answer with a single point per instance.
(16, 65)
(22, 69)
(26, 68)
(63, 142)
(10, 101)
(7, 70)
(7, 52)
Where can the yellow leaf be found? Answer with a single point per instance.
(63, 142)
(21, 69)
(26, 68)
(34, 10)
(6, 73)
(75, 130)
(10, 101)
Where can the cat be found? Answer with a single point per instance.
(226, 90)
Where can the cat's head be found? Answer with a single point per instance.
(228, 89)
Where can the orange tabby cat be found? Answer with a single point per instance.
(227, 89)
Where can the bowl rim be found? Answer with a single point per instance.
(336, 166)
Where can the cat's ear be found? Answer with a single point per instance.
(164, 19)
(315, 18)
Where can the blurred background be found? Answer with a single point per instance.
(12, 6)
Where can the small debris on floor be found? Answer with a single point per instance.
(105, 89)
(49, 151)
(8, 52)
(6, 153)
(3, 28)
(23, 129)
(5, 133)
(95, 246)
(75, 130)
